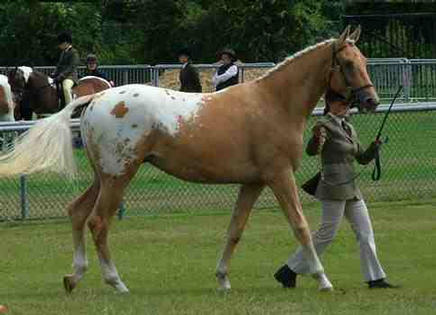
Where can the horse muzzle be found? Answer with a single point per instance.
(368, 100)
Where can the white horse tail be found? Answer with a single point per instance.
(47, 146)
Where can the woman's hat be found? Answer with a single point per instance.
(228, 51)
(65, 37)
(184, 52)
(91, 58)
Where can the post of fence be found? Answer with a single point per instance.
(407, 79)
(121, 210)
(125, 76)
(23, 197)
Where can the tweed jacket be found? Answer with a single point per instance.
(338, 153)
(67, 65)
(189, 79)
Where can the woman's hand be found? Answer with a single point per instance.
(319, 133)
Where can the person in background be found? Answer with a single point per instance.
(228, 73)
(93, 70)
(188, 76)
(66, 69)
(337, 142)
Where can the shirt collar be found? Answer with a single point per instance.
(338, 119)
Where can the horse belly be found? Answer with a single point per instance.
(203, 157)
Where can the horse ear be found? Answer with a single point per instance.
(356, 34)
(344, 35)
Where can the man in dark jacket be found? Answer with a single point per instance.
(66, 69)
(189, 79)
(228, 73)
(93, 70)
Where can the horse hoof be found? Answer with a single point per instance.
(324, 283)
(223, 282)
(69, 285)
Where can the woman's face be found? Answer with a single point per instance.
(339, 108)
(226, 59)
(183, 59)
(92, 65)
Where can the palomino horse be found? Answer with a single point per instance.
(251, 134)
(6, 103)
(40, 91)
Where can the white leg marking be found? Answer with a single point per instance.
(111, 277)
(221, 276)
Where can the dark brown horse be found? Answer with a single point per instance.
(40, 94)
(251, 134)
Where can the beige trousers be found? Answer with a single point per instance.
(356, 213)
(67, 85)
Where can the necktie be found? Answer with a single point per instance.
(346, 128)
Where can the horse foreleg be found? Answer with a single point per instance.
(248, 195)
(285, 190)
(106, 206)
(79, 211)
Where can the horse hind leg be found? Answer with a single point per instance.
(248, 195)
(108, 201)
(79, 210)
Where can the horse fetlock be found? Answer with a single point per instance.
(80, 268)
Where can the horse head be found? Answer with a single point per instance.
(17, 81)
(348, 76)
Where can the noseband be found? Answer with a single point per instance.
(336, 65)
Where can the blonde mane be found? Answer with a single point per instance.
(296, 56)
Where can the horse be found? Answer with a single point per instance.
(39, 90)
(249, 134)
(6, 103)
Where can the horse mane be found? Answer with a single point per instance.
(280, 66)
(26, 72)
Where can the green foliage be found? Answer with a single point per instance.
(29, 30)
(148, 31)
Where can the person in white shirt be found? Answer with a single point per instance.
(228, 73)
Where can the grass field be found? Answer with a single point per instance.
(168, 262)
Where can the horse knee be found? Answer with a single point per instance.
(302, 232)
(96, 224)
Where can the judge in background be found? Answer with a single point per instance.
(189, 78)
(228, 73)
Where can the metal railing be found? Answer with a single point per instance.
(408, 163)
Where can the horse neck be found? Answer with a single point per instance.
(42, 95)
(297, 84)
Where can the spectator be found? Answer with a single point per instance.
(189, 79)
(66, 70)
(92, 68)
(228, 73)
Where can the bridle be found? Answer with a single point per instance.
(351, 98)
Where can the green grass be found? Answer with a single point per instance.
(168, 263)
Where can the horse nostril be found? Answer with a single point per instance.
(371, 102)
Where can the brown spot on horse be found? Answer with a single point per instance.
(120, 110)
